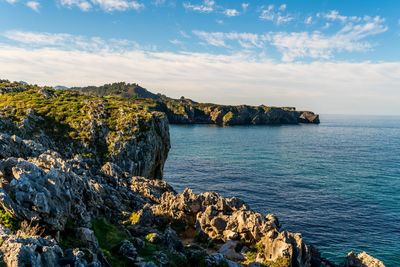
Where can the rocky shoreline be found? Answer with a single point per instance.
(80, 185)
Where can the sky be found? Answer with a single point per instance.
(332, 57)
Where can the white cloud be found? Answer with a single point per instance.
(81, 4)
(106, 5)
(68, 41)
(11, 1)
(220, 39)
(214, 38)
(275, 15)
(184, 34)
(245, 6)
(36, 38)
(334, 15)
(296, 45)
(176, 42)
(207, 6)
(341, 87)
(316, 45)
(231, 12)
(119, 5)
(308, 20)
(34, 5)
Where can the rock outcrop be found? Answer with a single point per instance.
(231, 222)
(91, 130)
(187, 111)
(362, 260)
(190, 112)
(70, 194)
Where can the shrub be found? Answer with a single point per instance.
(151, 237)
(8, 220)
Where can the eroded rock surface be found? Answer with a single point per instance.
(362, 260)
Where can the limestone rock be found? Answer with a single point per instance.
(308, 117)
(32, 251)
(128, 250)
(229, 250)
(223, 218)
(361, 260)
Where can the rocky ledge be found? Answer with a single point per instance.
(65, 200)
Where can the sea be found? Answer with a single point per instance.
(337, 183)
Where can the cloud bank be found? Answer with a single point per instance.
(336, 87)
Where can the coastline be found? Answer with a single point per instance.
(58, 206)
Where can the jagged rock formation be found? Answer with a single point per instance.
(69, 195)
(230, 221)
(186, 111)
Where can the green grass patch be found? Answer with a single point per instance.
(109, 237)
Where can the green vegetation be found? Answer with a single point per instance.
(70, 116)
(228, 116)
(8, 220)
(16, 85)
(151, 237)
(250, 256)
(280, 262)
(109, 237)
(122, 89)
(148, 250)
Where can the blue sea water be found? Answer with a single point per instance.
(338, 183)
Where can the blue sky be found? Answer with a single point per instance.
(301, 53)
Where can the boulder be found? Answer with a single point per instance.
(361, 260)
(229, 250)
(33, 251)
(128, 251)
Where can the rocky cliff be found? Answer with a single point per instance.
(186, 111)
(70, 194)
(90, 130)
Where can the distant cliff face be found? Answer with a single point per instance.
(186, 111)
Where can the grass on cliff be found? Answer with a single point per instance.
(251, 256)
(109, 237)
(68, 116)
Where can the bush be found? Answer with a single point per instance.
(8, 221)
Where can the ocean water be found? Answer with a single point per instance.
(338, 183)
